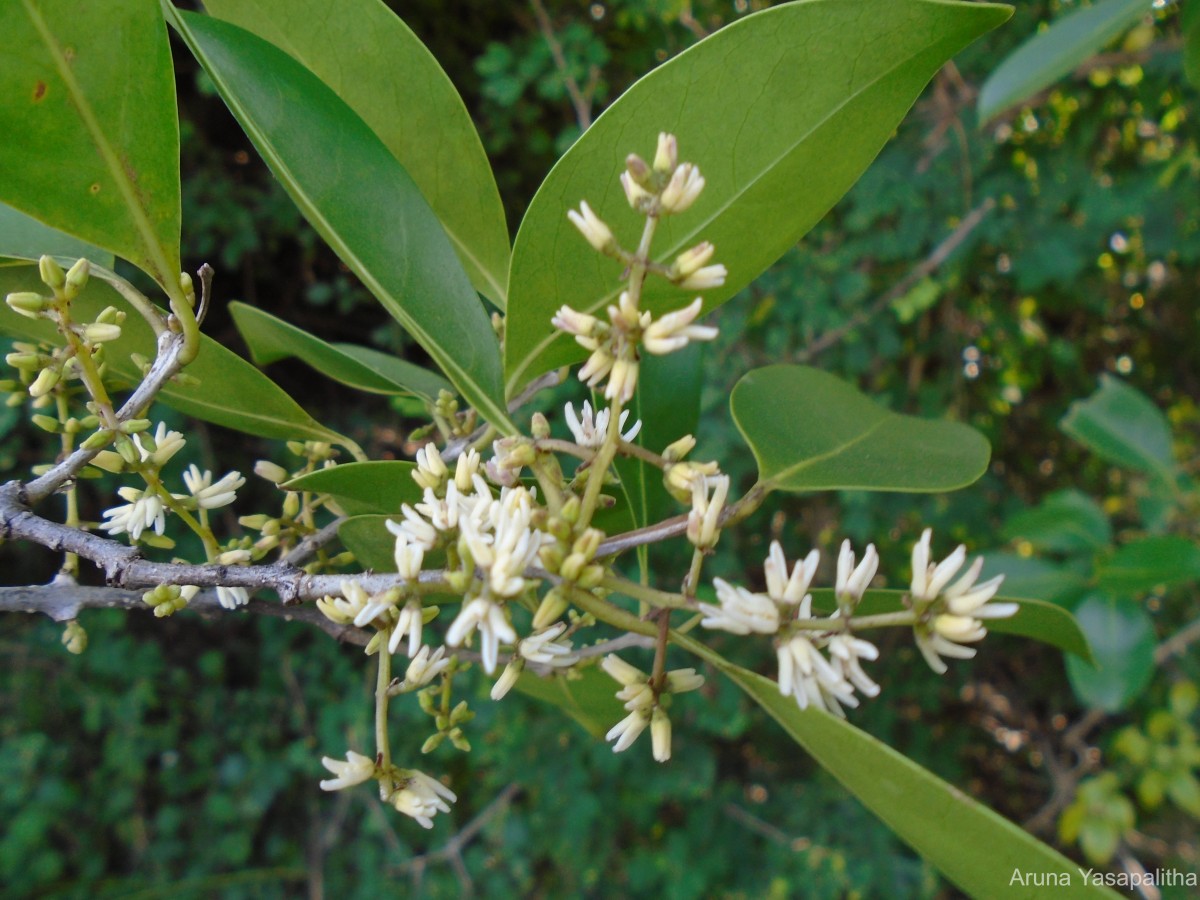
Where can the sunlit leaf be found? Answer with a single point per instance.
(91, 136)
(811, 431)
(782, 111)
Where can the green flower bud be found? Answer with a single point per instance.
(434, 741)
(160, 541)
(273, 473)
(24, 360)
(255, 522)
(46, 423)
(108, 461)
(110, 315)
(135, 426)
(129, 452)
(429, 613)
(570, 510)
(591, 576)
(188, 288)
(26, 303)
(51, 272)
(539, 426)
(551, 556)
(99, 332)
(291, 504)
(77, 279)
(553, 605)
(74, 638)
(459, 740)
(97, 440)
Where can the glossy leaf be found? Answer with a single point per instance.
(1055, 52)
(1149, 564)
(1037, 619)
(378, 486)
(1065, 522)
(1121, 635)
(589, 699)
(359, 198)
(230, 392)
(811, 431)
(24, 237)
(271, 339)
(91, 141)
(1121, 426)
(973, 847)
(782, 111)
(367, 537)
(383, 72)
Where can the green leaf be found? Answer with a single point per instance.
(383, 72)
(1149, 564)
(1121, 635)
(352, 190)
(1027, 576)
(367, 537)
(378, 486)
(811, 431)
(1189, 18)
(1055, 52)
(972, 846)
(1120, 425)
(1037, 619)
(589, 699)
(1067, 522)
(24, 237)
(271, 339)
(782, 111)
(231, 392)
(91, 134)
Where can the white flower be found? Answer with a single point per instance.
(703, 279)
(589, 429)
(144, 510)
(491, 620)
(660, 734)
(674, 330)
(705, 516)
(208, 495)
(805, 674)
(355, 770)
(545, 648)
(639, 198)
(344, 609)
(783, 588)
(409, 623)
(166, 444)
(376, 606)
(852, 580)
(508, 678)
(466, 469)
(421, 797)
(415, 527)
(957, 620)
(627, 730)
(741, 611)
(621, 671)
(409, 555)
(232, 597)
(576, 323)
(431, 471)
(682, 190)
(512, 547)
(846, 650)
(592, 228)
(666, 153)
(424, 667)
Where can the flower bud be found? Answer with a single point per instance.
(592, 228)
(683, 189)
(539, 426)
(26, 303)
(44, 383)
(638, 170)
(46, 423)
(135, 426)
(96, 441)
(108, 461)
(553, 605)
(272, 472)
(51, 272)
(99, 332)
(74, 638)
(77, 279)
(667, 155)
(291, 504)
(110, 315)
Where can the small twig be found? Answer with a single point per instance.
(451, 851)
(938, 256)
(458, 446)
(314, 542)
(581, 102)
(166, 365)
(1177, 643)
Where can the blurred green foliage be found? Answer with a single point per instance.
(180, 757)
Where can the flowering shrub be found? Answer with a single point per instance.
(536, 542)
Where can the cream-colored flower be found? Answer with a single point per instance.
(355, 770)
(421, 797)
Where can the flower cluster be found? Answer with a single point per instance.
(647, 704)
(820, 659)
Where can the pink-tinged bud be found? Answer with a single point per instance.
(638, 170)
(639, 198)
(683, 189)
(592, 228)
(572, 322)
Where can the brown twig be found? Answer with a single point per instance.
(581, 101)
